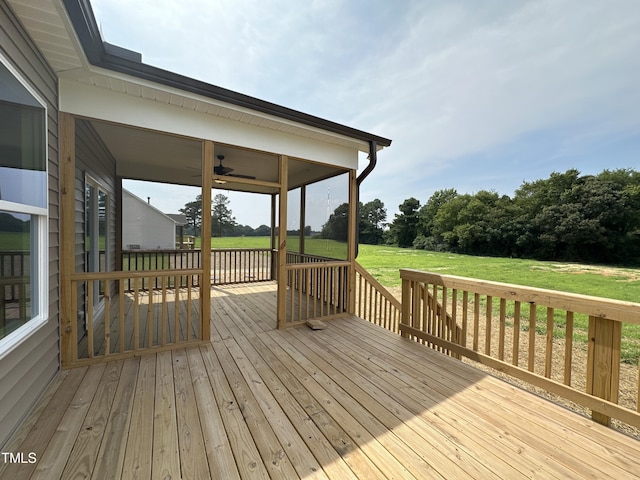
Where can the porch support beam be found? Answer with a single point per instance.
(68, 319)
(274, 256)
(282, 242)
(118, 245)
(205, 242)
(352, 241)
(303, 214)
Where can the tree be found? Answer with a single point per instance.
(372, 222)
(193, 212)
(428, 212)
(262, 231)
(337, 227)
(404, 227)
(222, 222)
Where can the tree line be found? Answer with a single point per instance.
(223, 223)
(568, 216)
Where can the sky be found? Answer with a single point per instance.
(475, 95)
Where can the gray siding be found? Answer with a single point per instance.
(28, 369)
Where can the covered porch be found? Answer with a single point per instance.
(352, 401)
(100, 281)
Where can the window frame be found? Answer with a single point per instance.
(39, 264)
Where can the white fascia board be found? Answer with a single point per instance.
(80, 98)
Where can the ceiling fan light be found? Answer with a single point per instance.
(219, 181)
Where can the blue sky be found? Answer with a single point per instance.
(474, 94)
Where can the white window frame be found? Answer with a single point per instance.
(95, 247)
(39, 264)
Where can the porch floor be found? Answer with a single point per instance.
(350, 401)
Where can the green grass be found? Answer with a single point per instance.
(384, 262)
(14, 241)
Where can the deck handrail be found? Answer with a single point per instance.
(316, 290)
(228, 265)
(122, 323)
(428, 298)
(374, 302)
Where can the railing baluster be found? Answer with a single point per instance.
(107, 317)
(476, 321)
(532, 337)
(136, 315)
(453, 331)
(121, 315)
(516, 334)
(487, 328)
(549, 344)
(89, 319)
(465, 314)
(501, 333)
(568, 348)
(163, 325)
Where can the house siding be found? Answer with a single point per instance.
(27, 370)
(145, 227)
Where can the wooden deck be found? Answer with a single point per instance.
(350, 401)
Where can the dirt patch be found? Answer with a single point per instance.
(578, 269)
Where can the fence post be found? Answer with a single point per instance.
(603, 362)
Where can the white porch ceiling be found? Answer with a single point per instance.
(154, 156)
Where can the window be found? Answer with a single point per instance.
(23, 209)
(96, 230)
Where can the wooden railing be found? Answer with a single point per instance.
(316, 290)
(567, 344)
(132, 318)
(297, 257)
(374, 302)
(228, 265)
(14, 288)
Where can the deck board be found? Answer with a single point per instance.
(350, 401)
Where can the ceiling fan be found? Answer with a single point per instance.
(226, 171)
(223, 171)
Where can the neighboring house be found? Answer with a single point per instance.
(78, 115)
(144, 226)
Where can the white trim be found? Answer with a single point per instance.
(138, 87)
(23, 208)
(40, 264)
(95, 102)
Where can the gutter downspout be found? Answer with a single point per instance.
(373, 159)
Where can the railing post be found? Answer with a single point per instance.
(68, 315)
(406, 305)
(603, 362)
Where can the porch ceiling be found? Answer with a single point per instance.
(154, 156)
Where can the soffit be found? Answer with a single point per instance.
(49, 27)
(153, 92)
